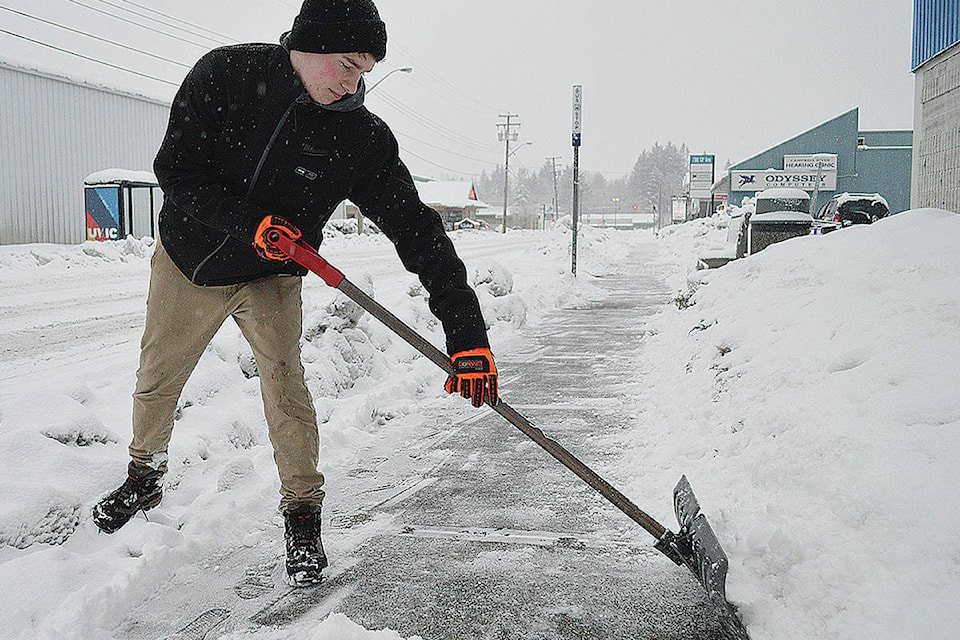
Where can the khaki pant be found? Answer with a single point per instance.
(181, 320)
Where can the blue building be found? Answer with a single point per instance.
(831, 158)
(936, 112)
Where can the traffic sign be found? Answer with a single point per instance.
(577, 108)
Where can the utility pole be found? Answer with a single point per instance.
(506, 134)
(556, 199)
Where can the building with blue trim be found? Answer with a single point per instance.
(936, 113)
(831, 158)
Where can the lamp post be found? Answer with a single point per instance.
(388, 74)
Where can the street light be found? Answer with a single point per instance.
(388, 74)
(517, 148)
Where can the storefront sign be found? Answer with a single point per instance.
(810, 162)
(770, 178)
(679, 212)
(701, 175)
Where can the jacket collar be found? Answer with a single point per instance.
(349, 102)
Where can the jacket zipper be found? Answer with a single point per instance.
(253, 181)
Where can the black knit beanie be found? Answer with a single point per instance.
(339, 26)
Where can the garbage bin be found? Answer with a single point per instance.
(119, 203)
(776, 226)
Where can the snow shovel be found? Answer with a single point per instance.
(695, 545)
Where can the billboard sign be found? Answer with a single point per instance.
(679, 212)
(103, 213)
(770, 178)
(701, 175)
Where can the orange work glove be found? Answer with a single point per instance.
(474, 376)
(265, 248)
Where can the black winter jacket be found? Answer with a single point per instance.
(245, 140)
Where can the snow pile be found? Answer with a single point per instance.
(360, 374)
(809, 392)
(23, 259)
(51, 430)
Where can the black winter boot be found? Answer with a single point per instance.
(141, 491)
(305, 556)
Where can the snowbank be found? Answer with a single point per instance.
(64, 428)
(808, 392)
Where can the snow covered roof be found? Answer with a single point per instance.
(449, 193)
(52, 71)
(115, 176)
(848, 197)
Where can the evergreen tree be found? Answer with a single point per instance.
(656, 177)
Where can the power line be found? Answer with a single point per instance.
(142, 26)
(95, 37)
(432, 163)
(166, 15)
(433, 146)
(80, 55)
(426, 68)
(447, 96)
(434, 126)
(166, 24)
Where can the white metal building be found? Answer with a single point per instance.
(54, 132)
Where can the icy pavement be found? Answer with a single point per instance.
(818, 442)
(472, 531)
(507, 543)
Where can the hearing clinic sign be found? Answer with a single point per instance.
(810, 162)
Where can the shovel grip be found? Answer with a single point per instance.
(306, 256)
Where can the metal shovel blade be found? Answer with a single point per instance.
(697, 547)
(706, 558)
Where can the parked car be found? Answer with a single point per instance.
(782, 199)
(854, 208)
(776, 214)
(470, 223)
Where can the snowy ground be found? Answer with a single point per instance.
(809, 392)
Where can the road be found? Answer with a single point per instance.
(47, 324)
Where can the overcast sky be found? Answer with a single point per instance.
(728, 78)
